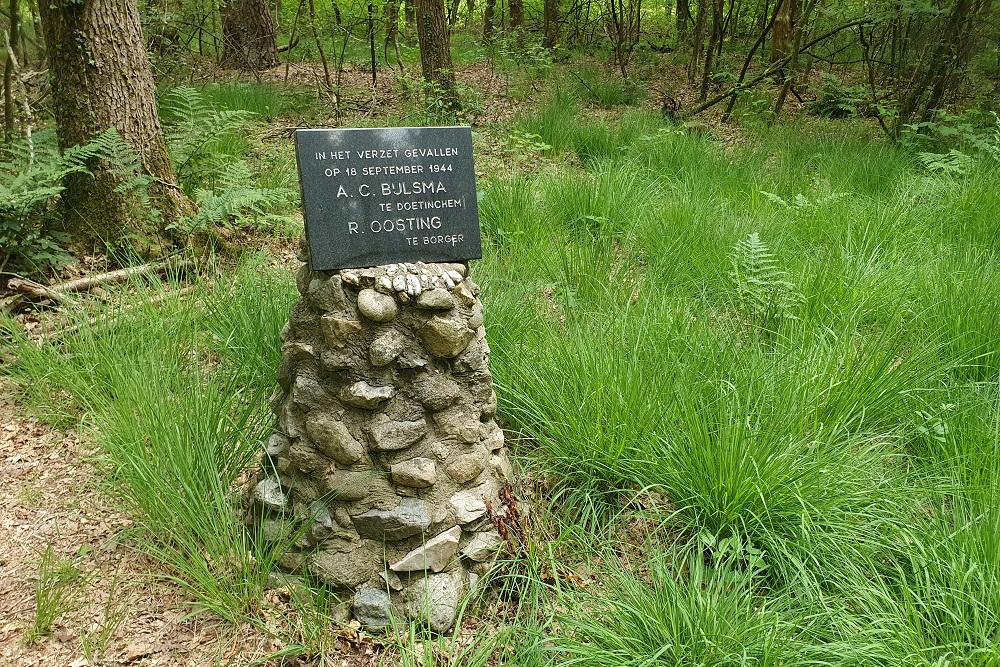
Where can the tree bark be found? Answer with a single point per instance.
(249, 40)
(392, 31)
(516, 14)
(683, 11)
(435, 49)
(714, 41)
(13, 39)
(697, 40)
(489, 17)
(101, 78)
(550, 12)
(781, 34)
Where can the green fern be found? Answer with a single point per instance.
(234, 203)
(193, 130)
(763, 292)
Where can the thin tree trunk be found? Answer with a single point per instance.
(698, 40)
(435, 49)
(793, 58)
(727, 114)
(683, 12)
(392, 31)
(713, 42)
(8, 71)
(550, 11)
(101, 78)
(489, 16)
(453, 12)
(409, 11)
(248, 35)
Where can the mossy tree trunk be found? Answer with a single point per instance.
(101, 79)
(249, 40)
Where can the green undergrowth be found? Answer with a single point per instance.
(781, 354)
(754, 387)
(172, 386)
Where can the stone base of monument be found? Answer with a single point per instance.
(387, 460)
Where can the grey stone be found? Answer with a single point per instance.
(326, 294)
(494, 438)
(336, 329)
(464, 294)
(418, 473)
(434, 555)
(390, 435)
(276, 445)
(459, 425)
(307, 459)
(413, 287)
(470, 504)
(436, 391)
(455, 276)
(337, 360)
(333, 439)
(308, 392)
(344, 569)
(276, 530)
(323, 525)
(468, 466)
(501, 467)
(482, 546)
(372, 607)
(385, 348)
(433, 600)
(436, 299)
(269, 494)
(384, 283)
(344, 485)
(376, 306)
(363, 395)
(446, 338)
(408, 519)
(391, 580)
(350, 278)
(399, 283)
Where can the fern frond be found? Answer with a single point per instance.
(763, 291)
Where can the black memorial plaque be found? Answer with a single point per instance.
(385, 195)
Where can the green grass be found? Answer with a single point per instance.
(172, 389)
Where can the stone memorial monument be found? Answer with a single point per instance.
(386, 460)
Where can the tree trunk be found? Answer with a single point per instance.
(101, 78)
(453, 12)
(435, 49)
(13, 40)
(489, 16)
(781, 35)
(713, 43)
(409, 12)
(697, 40)
(683, 11)
(392, 31)
(516, 14)
(793, 62)
(551, 17)
(248, 35)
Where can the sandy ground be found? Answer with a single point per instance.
(52, 496)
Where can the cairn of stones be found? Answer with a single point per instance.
(387, 458)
